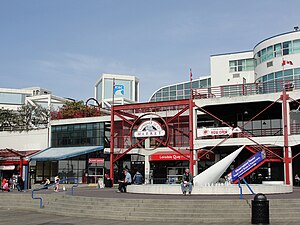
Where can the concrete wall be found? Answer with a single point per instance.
(220, 73)
(32, 140)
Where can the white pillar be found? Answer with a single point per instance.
(147, 170)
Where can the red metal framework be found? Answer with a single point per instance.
(177, 119)
(13, 157)
(271, 155)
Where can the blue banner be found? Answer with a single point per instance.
(247, 165)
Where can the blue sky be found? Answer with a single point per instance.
(65, 45)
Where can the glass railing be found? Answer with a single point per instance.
(267, 87)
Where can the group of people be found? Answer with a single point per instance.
(186, 181)
(19, 184)
(126, 179)
(56, 182)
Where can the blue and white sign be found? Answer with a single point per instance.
(246, 166)
(119, 89)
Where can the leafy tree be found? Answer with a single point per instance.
(26, 118)
(76, 109)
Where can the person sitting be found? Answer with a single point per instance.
(123, 183)
(46, 183)
(5, 186)
(3, 183)
(187, 182)
(138, 178)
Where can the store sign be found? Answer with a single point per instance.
(246, 166)
(167, 157)
(119, 89)
(216, 131)
(96, 160)
(149, 128)
(7, 167)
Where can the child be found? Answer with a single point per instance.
(56, 180)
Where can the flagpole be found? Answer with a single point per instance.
(283, 63)
(112, 131)
(191, 127)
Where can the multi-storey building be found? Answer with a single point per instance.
(251, 99)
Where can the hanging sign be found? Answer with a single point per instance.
(216, 131)
(149, 128)
(246, 166)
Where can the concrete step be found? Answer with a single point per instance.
(137, 210)
(149, 217)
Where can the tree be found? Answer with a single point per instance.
(26, 118)
(75, 109)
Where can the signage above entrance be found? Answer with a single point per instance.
(167, 157)
(12, 167)
(96, 160)
(149, 128)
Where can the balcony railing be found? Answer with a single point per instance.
(246, 89)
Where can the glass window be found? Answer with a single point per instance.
(195, 84)
(249, 64)
(173, 93)
(296, 46)
(288, 72)
(271, 76)
(297, 71)
(265, 78)
(187, 85)
(259, 57)
(287, 48)
(278, 74)
(270, 52)
(277, 50)
(165, 94)
(180, 87)
(263, 55)
(173, 88)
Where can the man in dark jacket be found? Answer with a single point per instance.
(138, 178)
(187, 182)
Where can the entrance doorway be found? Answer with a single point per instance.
(94, 173)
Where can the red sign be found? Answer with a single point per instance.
(167, 157)
(96, 160)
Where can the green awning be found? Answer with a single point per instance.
(51, 154)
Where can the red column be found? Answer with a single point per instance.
(21, 166)
(191, 137)
(287, 160)
(112, 129)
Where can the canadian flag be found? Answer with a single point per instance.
(286, 62)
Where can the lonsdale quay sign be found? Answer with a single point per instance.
(149, 128)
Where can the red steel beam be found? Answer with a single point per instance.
(287, 159)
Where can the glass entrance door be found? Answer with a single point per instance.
(94, 173)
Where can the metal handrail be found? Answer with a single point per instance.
(49, 185)
(241, 189)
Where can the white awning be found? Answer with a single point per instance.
(50, 154)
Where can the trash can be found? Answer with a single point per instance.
(260, 210)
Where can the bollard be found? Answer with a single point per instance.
(260, 210)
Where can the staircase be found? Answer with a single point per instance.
(165, 210)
